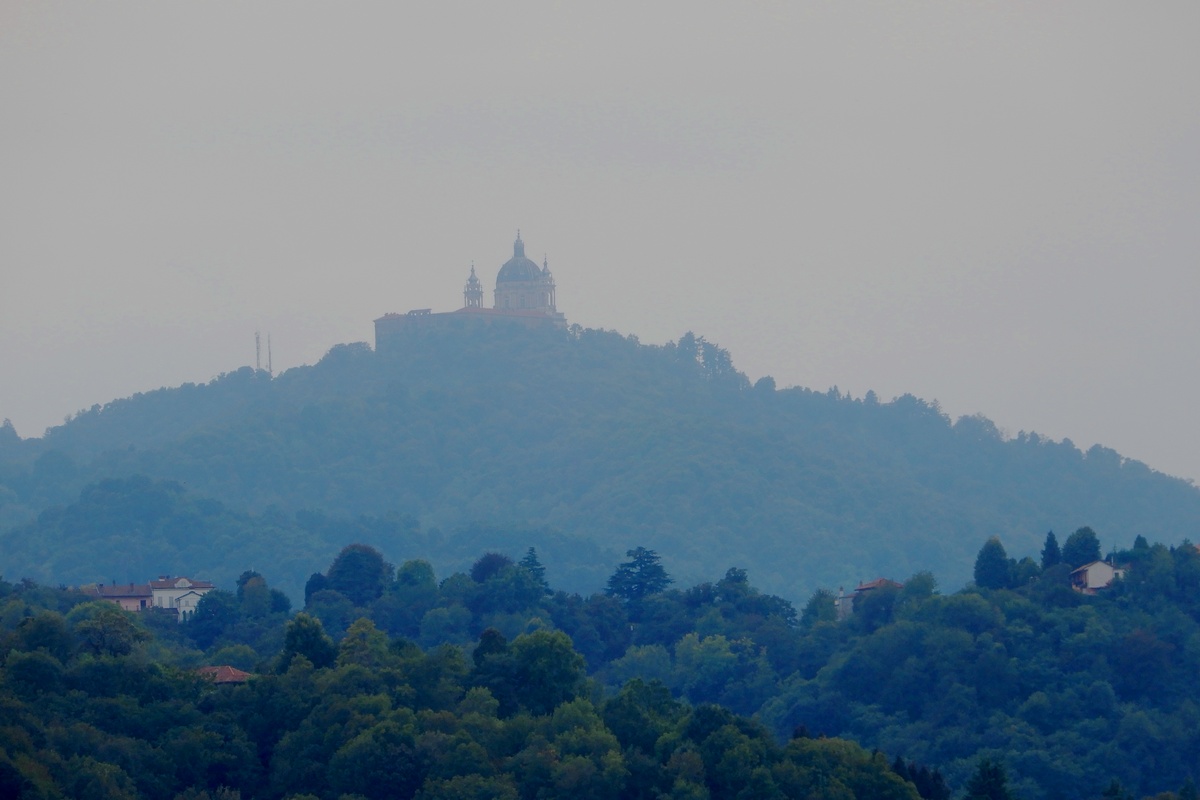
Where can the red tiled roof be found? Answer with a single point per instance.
(120, 590)
(878, 583)
(225, 674)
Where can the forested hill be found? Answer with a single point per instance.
(596, 436)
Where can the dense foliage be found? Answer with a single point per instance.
(582, 435)
(489, 683)
(1066, 692)
(1069, 691)
(89, 711)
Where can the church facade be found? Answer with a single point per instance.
(524, 295)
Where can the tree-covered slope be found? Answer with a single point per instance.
(128, 530)
(100, 703)
(1071, 696)
(614, 442)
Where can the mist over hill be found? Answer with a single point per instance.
(587, 437)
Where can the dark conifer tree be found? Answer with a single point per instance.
(531, 563)
(639, 577)
(1051, 555)
(990, 782)
(931, 785)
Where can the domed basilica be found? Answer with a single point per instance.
(524, 294)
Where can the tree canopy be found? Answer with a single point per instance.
(501, 687)
(1082, 547)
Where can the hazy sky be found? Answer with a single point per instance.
(991, 204)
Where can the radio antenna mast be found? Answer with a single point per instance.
(270, 370)
(257, 351)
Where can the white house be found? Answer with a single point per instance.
(180, 594)
(1090, 578)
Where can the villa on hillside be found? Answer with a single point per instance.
(844, 603)
(1091, 578)
(180, 594)
(129, 596)
(175, 595)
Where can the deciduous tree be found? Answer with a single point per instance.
(305, 637)
(1082, 547)
(991, 565)
(359, 573)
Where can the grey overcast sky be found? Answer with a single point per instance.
(991, 204)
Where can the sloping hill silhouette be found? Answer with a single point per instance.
(608, 441)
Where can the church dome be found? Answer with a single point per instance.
(518, 268)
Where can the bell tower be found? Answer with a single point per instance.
(473, 292)
(547, 285)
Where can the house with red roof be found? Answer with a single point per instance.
(845, 603)
(224, 674)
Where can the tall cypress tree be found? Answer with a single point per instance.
(1051, 555)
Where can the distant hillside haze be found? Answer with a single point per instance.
(583, 436)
